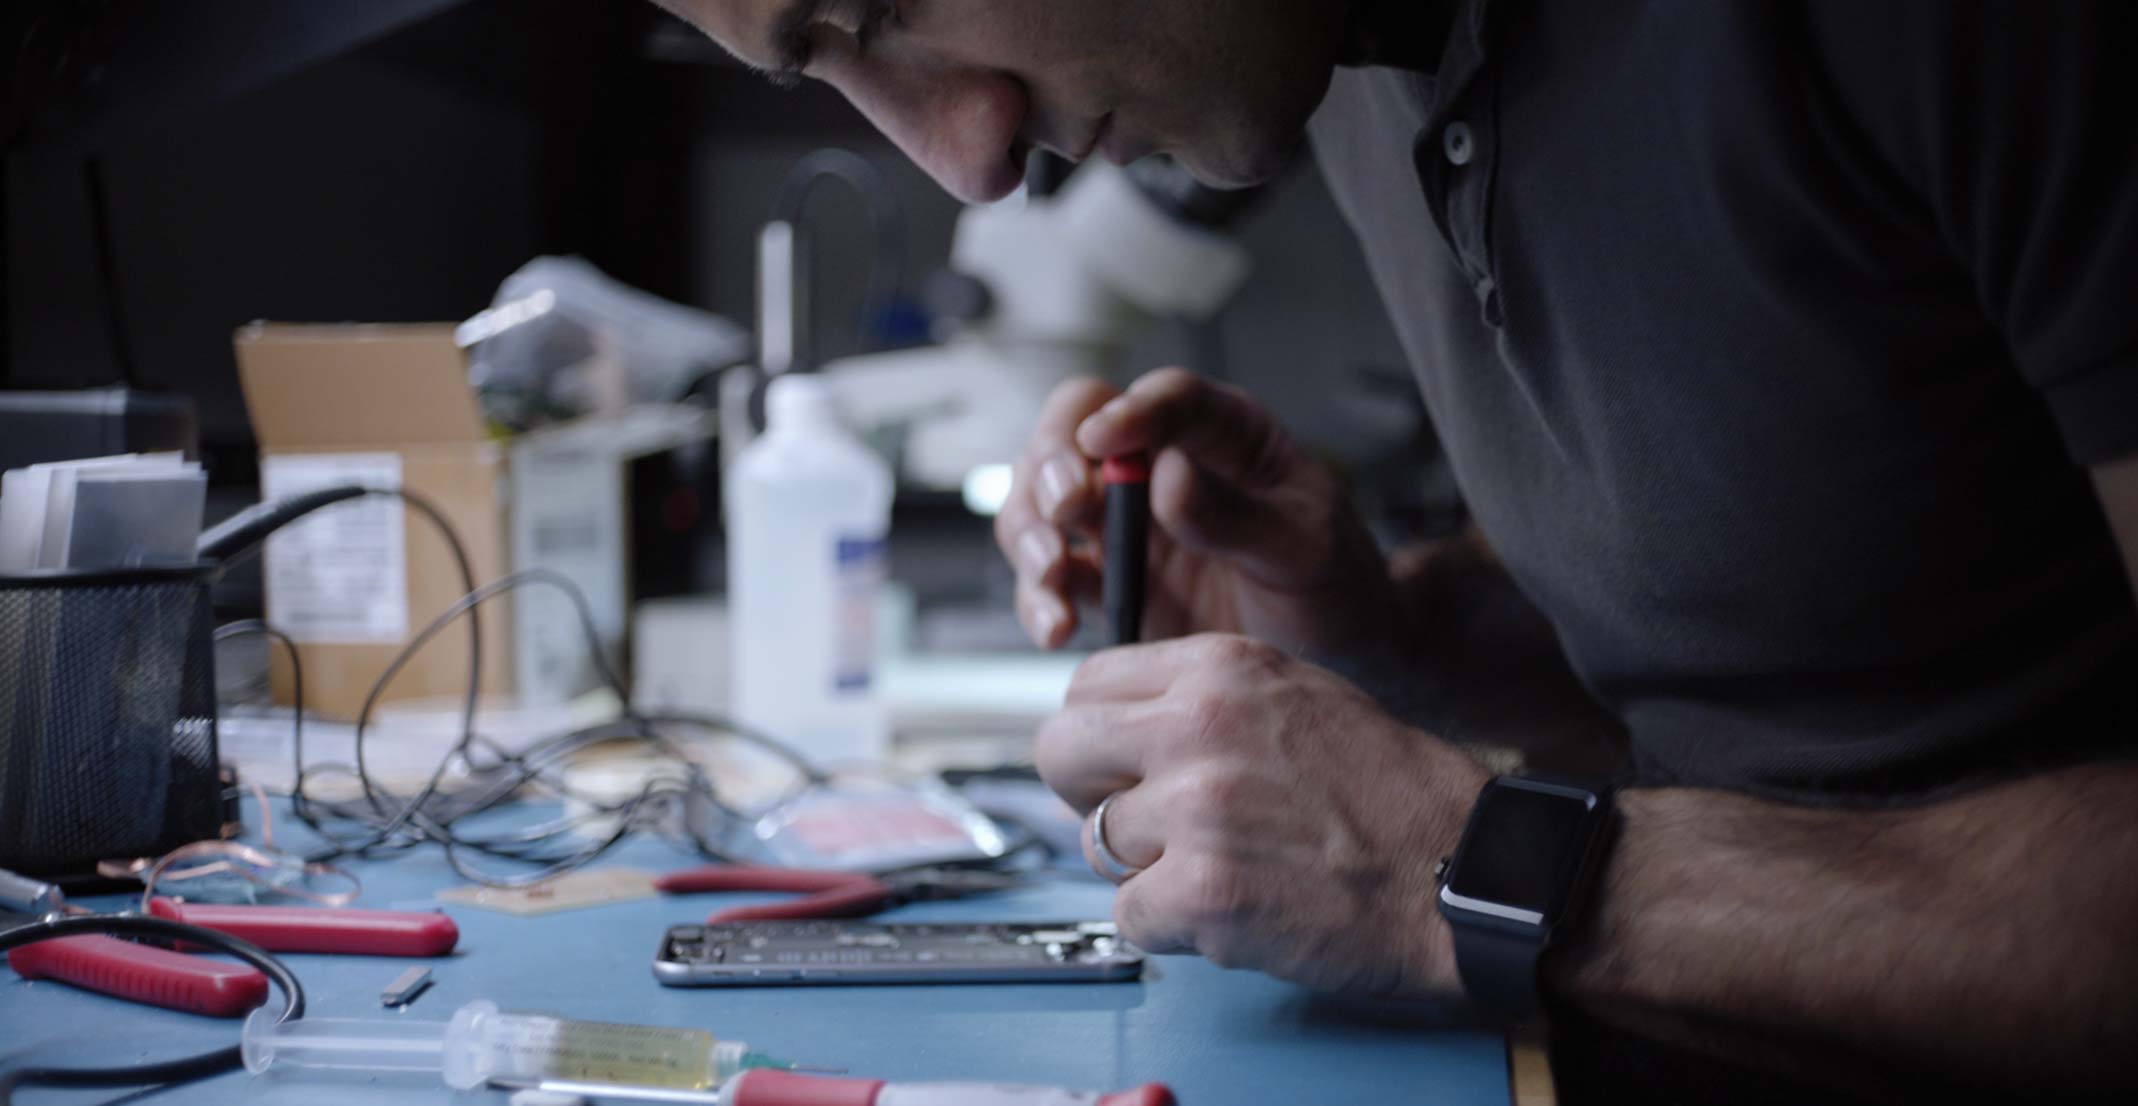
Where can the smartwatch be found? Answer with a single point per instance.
(1527, 857)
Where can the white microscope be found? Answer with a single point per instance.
(1054, 286)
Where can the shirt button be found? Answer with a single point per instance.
(1457, 143)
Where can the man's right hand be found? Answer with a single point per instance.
(1249, 535)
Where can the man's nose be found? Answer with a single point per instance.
(959, 126)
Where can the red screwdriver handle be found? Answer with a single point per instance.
(1128, 468)
(141, 973)
(315, 929)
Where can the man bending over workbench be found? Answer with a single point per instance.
(1787, 356)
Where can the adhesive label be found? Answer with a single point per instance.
(338, 576)
(538, 1046)
(859, 575)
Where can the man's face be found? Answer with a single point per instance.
(967, 87)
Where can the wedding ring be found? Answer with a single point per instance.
(1106, 863)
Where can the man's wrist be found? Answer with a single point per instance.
(1519, 881)
(1432, 957)
(1589, 964)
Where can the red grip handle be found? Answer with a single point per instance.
(743, 877)
(852, 899)
(765, 1087)
(313, 929)
(1150, 1094)
(140, 973)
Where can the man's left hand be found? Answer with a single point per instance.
(1281, 819)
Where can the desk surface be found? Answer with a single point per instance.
(1214, 1036)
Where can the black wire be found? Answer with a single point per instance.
(387, 824)
(467, 605)
(242, 535)
(289, 646)
(107, 259)
(475, 626)
(886, 219)
(135, 1095)
(393, 824)
(181, 1070)
(7, 255)
(298, 800)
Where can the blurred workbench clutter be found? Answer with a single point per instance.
(1089, 553)
(468, 648)
(529, 876)
(415, 771)
(393, 762)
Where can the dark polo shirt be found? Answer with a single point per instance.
(1769, 342)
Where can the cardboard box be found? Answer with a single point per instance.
(375, 404)
(573, 513)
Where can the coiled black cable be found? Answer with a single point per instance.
(388, 823)
(164, 1072)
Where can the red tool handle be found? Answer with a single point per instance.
(743, 877)
(856, 898)
(1150, 1094)
(764, 1087)
(142, 973)
(827, 894)
(314, 929)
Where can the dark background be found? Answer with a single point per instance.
(175, 169)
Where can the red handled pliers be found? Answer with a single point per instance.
(175, 980)
(830, 894)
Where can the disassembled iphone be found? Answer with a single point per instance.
(758, 954)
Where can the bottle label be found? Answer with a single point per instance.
(859, 574)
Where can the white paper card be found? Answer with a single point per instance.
(338, 576)
(37, 504)
(59, 504)
(138, 515)
(23, 493)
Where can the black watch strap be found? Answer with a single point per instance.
(1499, 970)
(1536, 843)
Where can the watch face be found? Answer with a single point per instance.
(1519, 847)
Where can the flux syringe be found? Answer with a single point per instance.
(482, 1043)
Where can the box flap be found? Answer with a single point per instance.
(348, 384)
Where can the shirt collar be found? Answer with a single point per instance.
(1404, 34)
(1453, 36)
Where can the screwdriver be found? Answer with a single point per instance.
(1127, 541)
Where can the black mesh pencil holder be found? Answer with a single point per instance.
(107, 716)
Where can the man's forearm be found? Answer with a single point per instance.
(1990, 938)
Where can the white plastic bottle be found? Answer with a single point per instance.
(808, 509)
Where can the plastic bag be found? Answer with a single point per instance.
(563, 339)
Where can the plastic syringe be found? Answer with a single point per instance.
(482, 1043)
